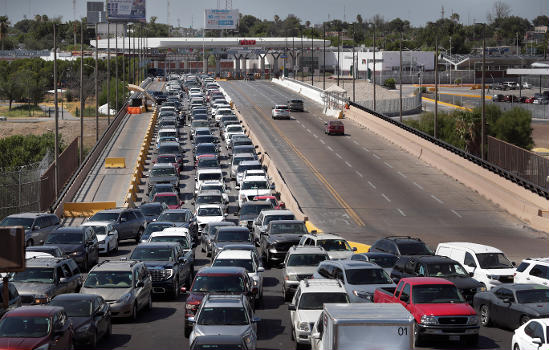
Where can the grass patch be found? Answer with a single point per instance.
(22, 111)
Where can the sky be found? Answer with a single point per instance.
(191, 13)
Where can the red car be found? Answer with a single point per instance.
(529, 100)
(218, 280)
(36, 327)
(170, 158)
(437, 306)
(334, 127)
(272, 199)
(171, 199)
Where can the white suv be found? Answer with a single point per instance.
(336, 246)
(253, 186)
(308, 303)
(246, 259)
(533, 270)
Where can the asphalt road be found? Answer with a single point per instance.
(425, 196)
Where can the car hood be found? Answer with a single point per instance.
(69, 248)
(258, 192)
(220, 330)
(34, 288)
(19, 343)
(310, 316)
(109, 294)
(207, 219)
(158, 264)
(445, 309)
(78, 322)
(101, 237)
(370, 288)
(540, 309)
(285, 237)
(300, 270)
(499, 272)
(156, 179)
(338, 255)
(464, 282)
(248, 217)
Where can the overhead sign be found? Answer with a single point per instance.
(220, 19)
(95, 12)
(126, 10)
(105, 30)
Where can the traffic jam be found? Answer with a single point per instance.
(210, 227)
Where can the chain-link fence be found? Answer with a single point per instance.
(20, 188)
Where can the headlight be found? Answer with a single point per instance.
(481, 289)
(43, 347)
(272, 249)
(473, 320)
(168, 273)
(124, 299)
(83, 329)
(291, 277)
(255, 283)
(304, 326)
(428, 320)
(363, 295)
(77, 253)
(41, 299)
(243, 223)
(247, 338)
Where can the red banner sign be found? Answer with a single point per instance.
(247, 42)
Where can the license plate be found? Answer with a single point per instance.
(454, 338)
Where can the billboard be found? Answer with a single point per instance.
(126, 11)
(95, 12)
(220, 19)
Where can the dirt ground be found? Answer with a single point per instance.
(540, 134)
(69, 129)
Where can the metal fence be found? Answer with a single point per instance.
(391, 107)
(20, 188)
(519, 162)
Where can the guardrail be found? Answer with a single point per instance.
(486, 165)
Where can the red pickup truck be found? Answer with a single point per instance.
(437, 306)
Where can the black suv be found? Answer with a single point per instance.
(437, 266)
(130, 223)
(169, 265)
(296, 105)
(401, 245)
(37, 225)
(45, 278)
(80, 243)
(279, 237)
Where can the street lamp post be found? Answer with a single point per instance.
(374, 70)
(56, 147)
(435, 121)
(483, 119)
(96, 88)
(81, 153)
(324, 57)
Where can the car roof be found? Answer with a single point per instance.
(523, 286)
(44, 262)
(429, 258)
(209, 171)
(167, 155)
(277, 212)
(537, 260)
(223, 301)
(323, 285)
(167, 130)
(255, 203)
(475, 247)
(275, 222)
(29, 215)
(166, 194)
(162, 165)
(306, 249)
(249, 162)
(380, 254)
(75, 296)
(157, 244)
(150, 204)
(234, 254)
(255, 178)
(169, 143)
(229, 270)
(233, 228)
(175, 231)
(115, 265)
(180, 210)
(427, 280)
(352, 264)
(200, 206)
(208, 193)
(240, 246)
(73, 229)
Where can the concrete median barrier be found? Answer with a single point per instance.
(115, 163)
(85, 209)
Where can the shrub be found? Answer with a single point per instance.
(390, 83)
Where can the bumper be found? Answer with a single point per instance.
(448, 330)
(85, 337)
(104, 248)
(120, 310)
(291, 286)
(163, 287)
(302, 337)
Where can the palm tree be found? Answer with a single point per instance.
(4, 23)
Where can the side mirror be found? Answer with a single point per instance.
(183, 290)
(507, 300)
(513, 263)
(123, 219)
(471, 274)
(100, 313)
(325, 123)
(182, 259)
(35, 227)
(256, 319)
(63, 280)
(272, 186)
(225, 214)
(140, 284)
(354, 249)
(291, 307)
(261, 269)
(536, 341)
(315, 335)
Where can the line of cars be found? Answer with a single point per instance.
(538, 98)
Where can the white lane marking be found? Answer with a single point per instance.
(418, 186)
(298, 122)
(401, 212)
(435, 198)
(457, 214)
(384, 196)
(389, 165)
(378, 157)
(309, 131)
(340, 157)
(364, 148)
(371, 184)
(358, 173)
(322, 141)
(349, 164)
(356, 142)
(401, 174)
(316, 136)
(330, 148)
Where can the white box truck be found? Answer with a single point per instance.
(363, 326)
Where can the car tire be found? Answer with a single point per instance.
(516, 347)
(139, 234)
(133, 315)
(29, 243)
(175, 291)
(418, 338)
(93, 341)
(149, 303)
(485, 315)
(108, 333)
(286, 294)
(187, 331)
(292, 334)
(85, 264)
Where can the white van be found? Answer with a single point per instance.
(207, 175)
(486, 264)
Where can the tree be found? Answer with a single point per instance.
(11, 88)
(455, 17)
(4, 24)
(541, 21)
(499, 10)
(359, 19)
(514, 127)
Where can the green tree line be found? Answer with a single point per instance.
(20, 150)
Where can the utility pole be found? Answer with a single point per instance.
(56, 172)
(324, 57)
(108, 72)
(81, 153)
(294, 58)
(96, 87)
(400, 75)
(302, 58)
(483, 119)
(312, 57)
(116, 68)
(374, 70)
(124, 60)
(134, 72)
(435, 133)
(338, 39)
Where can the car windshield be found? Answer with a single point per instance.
(436, 294)
(242, 142)
(163, 188)
(446, 270)
(25, 222)
(75, 308)
(236, 161)
(151, 210)
(235, 128)
(204, 139)
(34, 275)
(334, 244)
(167, 138)
(152, 254)
(204, 149)
(152, 227)
(218, 346)
(173, 217)
(367, 276)
(208, 163)
(245, 263)
(179, 239)
(316, 301)
(100, 230)
(208, 199)
(494, 261)
(168, 171)
(104, 217)
(414, 248)
(169, 200)
(233, 236)
(167, 134)
(210, 176)
(65, 238)
(254, 185)
(109, 279)
(270, 218)
(200, 124)
(209, 212)
(243, 149)
(166, 159)
(283, 228)
(254, 209)
(226, 316)
(219, 283)
(383, 261)
(242, 168)
(212, 188)
(168, 149)
(531, 296)
(306, 259)
(24, 327)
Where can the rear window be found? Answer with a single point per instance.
(212, 176)
(174, 149)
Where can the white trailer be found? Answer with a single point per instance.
(363, 326)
